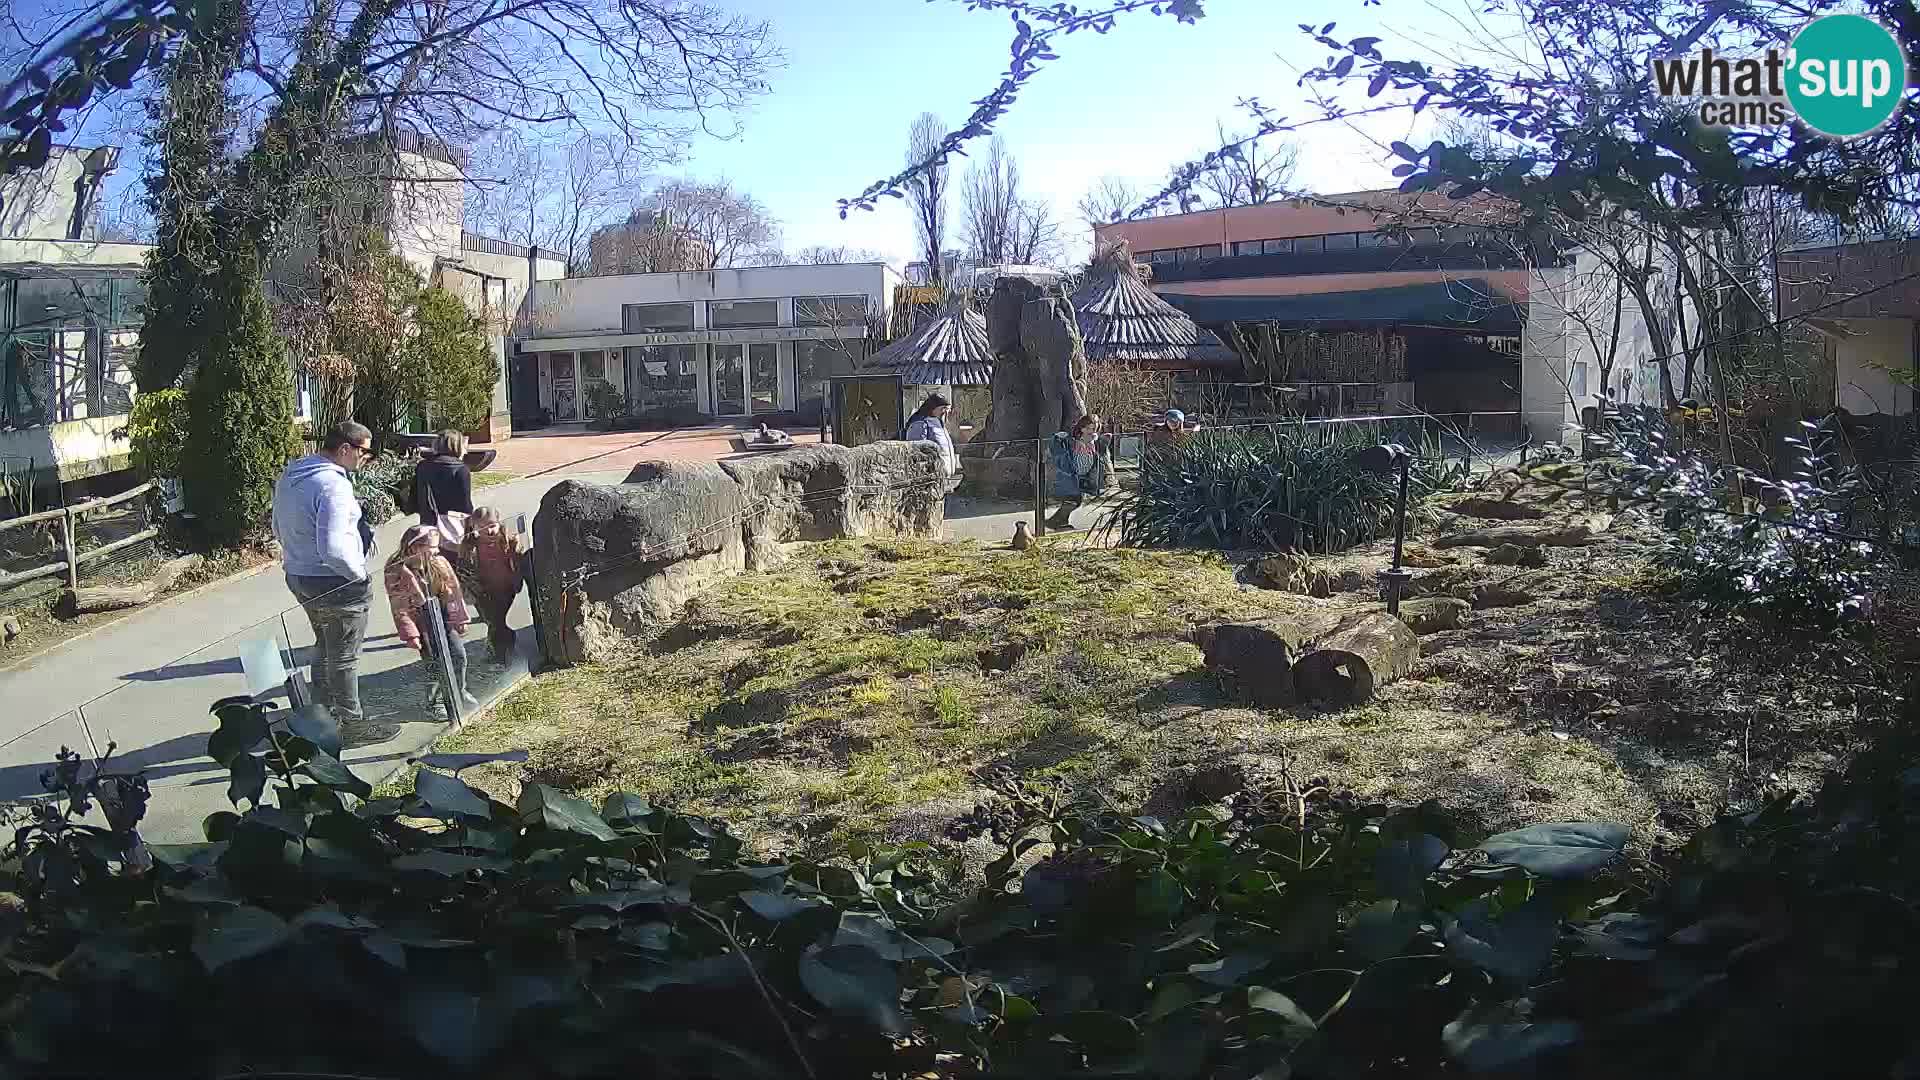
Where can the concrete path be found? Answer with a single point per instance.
(145, 682)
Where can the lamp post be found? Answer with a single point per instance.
(1385, 460)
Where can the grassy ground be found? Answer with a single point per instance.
(493, 479)
(867, 689)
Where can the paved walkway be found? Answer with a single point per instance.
(146, 688)
(573, 450)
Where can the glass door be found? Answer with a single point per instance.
(729, 380)
(763, 371)
(566, 395)
(598, 391)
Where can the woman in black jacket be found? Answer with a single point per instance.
(442, 483)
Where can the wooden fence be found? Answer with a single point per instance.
(69, 518)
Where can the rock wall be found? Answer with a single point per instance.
(1039, 384)
(619, 563)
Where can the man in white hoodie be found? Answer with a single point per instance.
(324, 547)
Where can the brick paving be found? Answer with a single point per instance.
(566, 451)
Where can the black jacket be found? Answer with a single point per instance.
(442, 484)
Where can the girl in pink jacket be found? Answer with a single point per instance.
(416, 573)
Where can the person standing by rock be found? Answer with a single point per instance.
(494, 553)
(929, 424)
(419, 575)
(324, 545)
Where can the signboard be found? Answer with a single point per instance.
(866, 408)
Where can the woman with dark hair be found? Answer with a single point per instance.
(929, 424)
(1076, 468)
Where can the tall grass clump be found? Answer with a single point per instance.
(1293, 487)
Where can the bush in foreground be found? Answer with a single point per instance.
(1309, 936)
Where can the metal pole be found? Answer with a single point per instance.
(1397, 577)
(1039, 488)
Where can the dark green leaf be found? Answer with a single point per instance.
(1295, 1018)
(1517, 946)
(331, 918)
(1381, 930)
(871, 932)
(776, 907)
(446, 795)
(237, 934)
(387, 948)
(456, 762)
(1487, 1047)
(1194, 929)
(242, 727)
(623, 809)
(652, 936)
(294, 825)
(1170, 997)
(1230, 970)
(190, 856)
(447, 864)
(249, 779)
(542, 805)
(324, 768)
(1403, 862)
(721, 969)
(1568, 849)
(219, 825)
(454, 1025)
(1097, 1030)
(648, 892)
(854, 981)
(210, 891)
(315, 723)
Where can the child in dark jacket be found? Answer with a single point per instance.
(416, 574)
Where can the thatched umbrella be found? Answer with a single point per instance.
(1121, 320)
(950, 350)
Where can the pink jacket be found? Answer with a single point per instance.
(407, 596)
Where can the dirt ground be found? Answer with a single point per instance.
(866, 690)
(40, 629)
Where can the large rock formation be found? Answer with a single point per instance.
(1039, 384)
(621, 562)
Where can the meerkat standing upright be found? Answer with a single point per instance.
(1022, 536)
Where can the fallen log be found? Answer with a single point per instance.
(90, 599)
(1260, 655)
(1577, 534)
(1361, 654)
(1498, 509)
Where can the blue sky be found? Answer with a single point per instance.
(1129, 103)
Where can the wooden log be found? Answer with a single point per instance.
(1499, 509)
(1574, 535)
(1259, 655)
(96, 598)
(1363, 653)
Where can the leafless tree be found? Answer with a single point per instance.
(1000, 226)
(1255, 173)
(727, 227)
(927, 194)
(1110, 199)
(826, 255)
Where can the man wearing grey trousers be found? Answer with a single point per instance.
(324, 547)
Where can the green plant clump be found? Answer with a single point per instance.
(240, 430)
(1791, 557)
(458, 365)
(1276, 489)
(157, 432)
(1303, 935)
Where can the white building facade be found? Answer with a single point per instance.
(723, 344)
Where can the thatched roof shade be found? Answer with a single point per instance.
(951, 350)
(1122, 320)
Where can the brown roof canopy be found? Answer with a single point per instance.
(950, 350)
(1121, 319)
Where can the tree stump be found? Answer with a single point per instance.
(1260, 657)
(1361, 654)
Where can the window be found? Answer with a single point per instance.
(1277, 247)
(1379, 240)
(1345, 241)
(1309, 245)
(814, 362)
(655, 318)
(829, 310)
(1580, 379)
(1246, 247)
(735, 314)
(26, 383)
(660, 376)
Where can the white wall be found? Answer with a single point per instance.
(427, 213)
(1861, 380)
(1571, 320)
(1544, 369)
(39, 204)
(71, 252)
(592, 304)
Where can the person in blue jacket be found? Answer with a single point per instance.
(929, 424)
(1076, 468)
